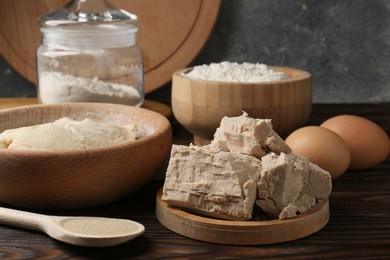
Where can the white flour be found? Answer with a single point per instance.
(56, 87)
(235, 72)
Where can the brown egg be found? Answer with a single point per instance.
(369, 144)
(321, 146)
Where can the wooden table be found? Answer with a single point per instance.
(359, 226)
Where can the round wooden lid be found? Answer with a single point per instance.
(171, 33)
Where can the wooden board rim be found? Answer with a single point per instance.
(241, 232)
(192, 46)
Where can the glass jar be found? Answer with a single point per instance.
(89, 53)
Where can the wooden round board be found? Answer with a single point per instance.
(241, 232)
(171, 33)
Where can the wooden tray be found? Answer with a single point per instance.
(171, 33)
(241, 232)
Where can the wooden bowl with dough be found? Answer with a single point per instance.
(71, 179)
(199, 105)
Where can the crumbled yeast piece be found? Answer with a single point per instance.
(210, 182)
(290, 185)
(244, 134)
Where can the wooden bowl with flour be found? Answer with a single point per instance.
(199, 105)
(79, 178)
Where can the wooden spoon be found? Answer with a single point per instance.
(82, 231)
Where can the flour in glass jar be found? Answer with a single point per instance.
(57, 87)
(234, 72)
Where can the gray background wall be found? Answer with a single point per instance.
(344, 44)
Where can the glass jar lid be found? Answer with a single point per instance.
(89, 24)
(87, 11)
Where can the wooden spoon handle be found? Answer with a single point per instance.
(22, 219)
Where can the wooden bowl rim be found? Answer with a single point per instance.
(158, 130)
(305, 76)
